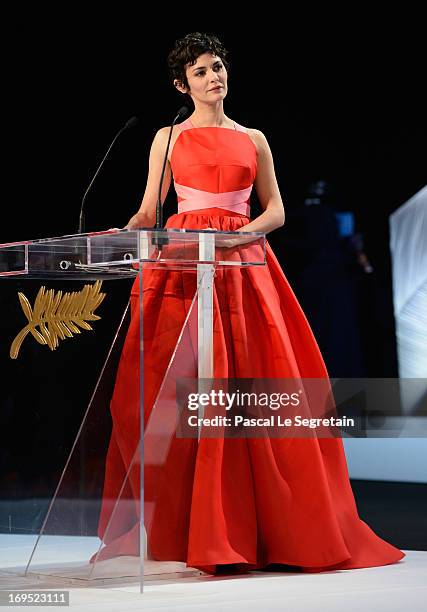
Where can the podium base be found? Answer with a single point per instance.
(74, 567)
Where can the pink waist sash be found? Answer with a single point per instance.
(195, 199)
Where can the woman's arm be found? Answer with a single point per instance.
(273, 215)
(146, 215)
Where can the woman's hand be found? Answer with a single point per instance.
(134, 222)
(140, 219)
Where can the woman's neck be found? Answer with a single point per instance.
(210, 117)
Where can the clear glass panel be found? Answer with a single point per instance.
(13, 259)
(176, 249)
(116, 253)
(68, 534)
(86, 524)
(48, 400)
(92, 532)
(124, 535)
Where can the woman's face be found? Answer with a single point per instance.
(207, 79)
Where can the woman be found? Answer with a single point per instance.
(235, 504)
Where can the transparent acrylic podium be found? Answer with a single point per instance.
(89, 526)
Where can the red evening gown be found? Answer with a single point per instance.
(243, 501)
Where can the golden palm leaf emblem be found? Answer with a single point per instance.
(58, 316)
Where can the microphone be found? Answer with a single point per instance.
(130, 123)
(183, 111)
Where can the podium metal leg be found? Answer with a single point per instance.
(205, 276)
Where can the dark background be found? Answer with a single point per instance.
(346, 107)
(334, 103)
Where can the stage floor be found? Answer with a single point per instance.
(390, 588)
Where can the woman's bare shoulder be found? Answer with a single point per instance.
(163, 132)
(257, 138)
(161, 138)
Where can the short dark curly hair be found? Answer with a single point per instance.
(186, 51)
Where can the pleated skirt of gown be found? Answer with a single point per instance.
(249, 502)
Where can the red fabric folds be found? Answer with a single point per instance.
(248, 502)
